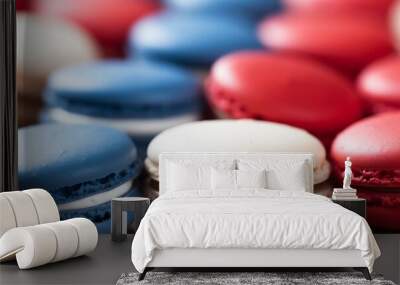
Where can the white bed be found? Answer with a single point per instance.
(273, 226)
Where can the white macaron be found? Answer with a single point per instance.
(238, 136)
(45, 44)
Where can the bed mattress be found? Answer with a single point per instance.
(250, 219)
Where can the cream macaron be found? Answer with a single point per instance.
(44, 45)
(237, 136)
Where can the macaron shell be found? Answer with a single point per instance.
(395, 24)
(298, 92)
(374, 147)
(379, 84)
(248, 8)
(191, 39)
(383, 209)
(108, 21)
(124, 82)
(238, 136)
(53, 156)
(46, 44)
(379, 7)
(345, 42)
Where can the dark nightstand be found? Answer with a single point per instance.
(119, 208)
(357, 205)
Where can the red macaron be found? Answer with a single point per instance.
(383, 209)
(109, 21)
(370, 7)
(345, 42)
(379, 84)
(374, 147)
(281, 88)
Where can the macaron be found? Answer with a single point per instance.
(354, 7)
(395, 24)
(108, 21)
(140, 98)
(282, 88)
(23, 5)
(82, 167)
(191, 40)
(237, 136)
(374, 147)
(253, 9)
(379, 84)
(43, 45)
(345, 42)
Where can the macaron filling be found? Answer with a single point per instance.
(137, 127)
(122, 90)
(99, 214)
(97, 199)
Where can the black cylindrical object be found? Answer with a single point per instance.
(8, 101)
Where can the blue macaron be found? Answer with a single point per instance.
(82, 166)
(253, 9)
(141, 98)
(100, 214)
(193, 40)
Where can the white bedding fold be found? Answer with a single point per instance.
(250, 219)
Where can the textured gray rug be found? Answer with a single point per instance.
(269, 278)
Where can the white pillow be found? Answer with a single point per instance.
(251, 178)
(225, 179)
(184, 177)
(281, 175)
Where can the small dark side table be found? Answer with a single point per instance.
(356, 205)
(119, 215)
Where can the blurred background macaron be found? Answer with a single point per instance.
(108, 21)
(23, 5)
(193, 41)
(374, 147)
(345, 42)
(236, 136)
(353, 7)
(82, 167)
(252, 9)
(286, 89)
(137, 97)
(379, 84)
(45, 44)
(395, 23)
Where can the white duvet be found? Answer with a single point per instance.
(250, 219)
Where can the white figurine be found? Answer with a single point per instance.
(347, 174)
